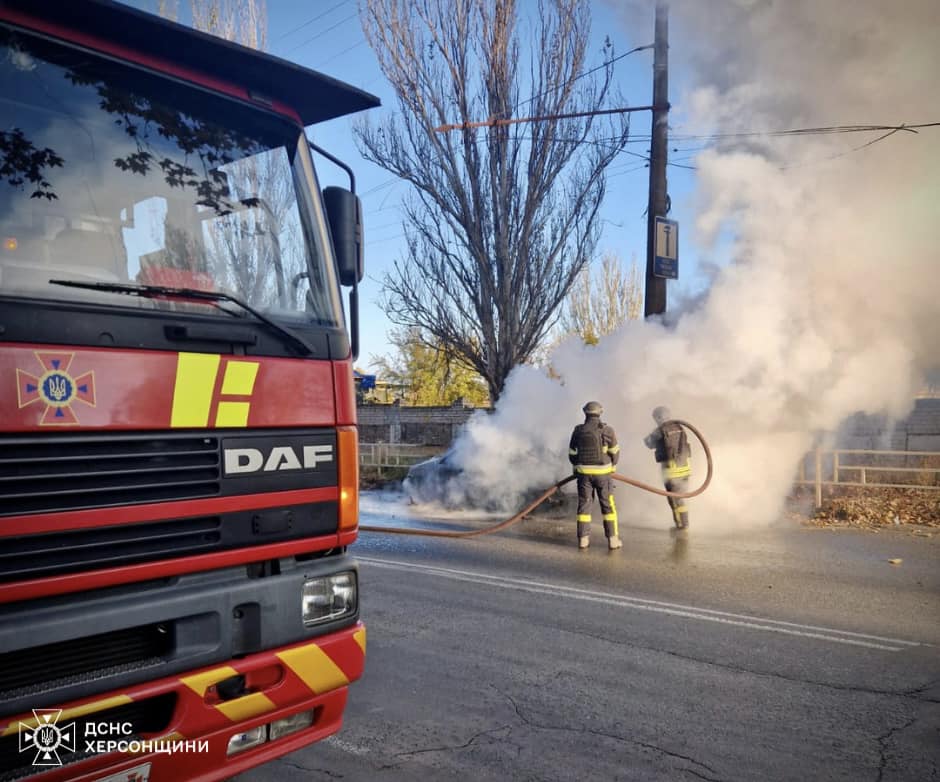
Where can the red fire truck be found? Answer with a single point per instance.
(178, 442)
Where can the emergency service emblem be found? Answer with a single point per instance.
(55, 387)
(46, 737)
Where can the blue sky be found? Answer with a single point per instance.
(326, 35)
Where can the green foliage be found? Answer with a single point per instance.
(427, 374)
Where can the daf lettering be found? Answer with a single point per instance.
(314, 454)
(238, 460)
(281, 458)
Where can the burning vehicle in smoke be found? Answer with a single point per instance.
(444, 480)
(435, 480)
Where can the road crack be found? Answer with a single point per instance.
(916, 693)
(299, 767)
(443, 747)
(883, 745)
(603, 734)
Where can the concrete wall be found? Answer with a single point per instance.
(415, 425)
(438, 426)
(920, 431)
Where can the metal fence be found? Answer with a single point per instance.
(852, 467)
(383, 455)
(819, 468)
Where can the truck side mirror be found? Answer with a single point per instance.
(344, 214)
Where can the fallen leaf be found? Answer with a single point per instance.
(895, 561)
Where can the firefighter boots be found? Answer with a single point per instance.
(613, 542)
(584, 541)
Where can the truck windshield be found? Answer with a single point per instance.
(110, 173)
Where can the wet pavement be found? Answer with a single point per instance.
(783, 653)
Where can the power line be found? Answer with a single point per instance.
(311, 21)
(493, 123)
(340, 54)
(387, 239)
(321, 33)
(582, 75)
(812, 131)
(820, 131)
(380, 186)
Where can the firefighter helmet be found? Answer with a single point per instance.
(593, 408)
(661, 414)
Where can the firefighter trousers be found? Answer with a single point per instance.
(680, 511)
(588, 486)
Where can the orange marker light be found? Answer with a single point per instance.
(347, 442)
(10, 243)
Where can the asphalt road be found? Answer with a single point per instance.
(783, 654)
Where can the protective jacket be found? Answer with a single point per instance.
(593, 449)
(671, 446)
(672, 449)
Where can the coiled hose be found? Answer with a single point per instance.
(547, 493)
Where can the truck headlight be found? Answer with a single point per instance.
(329, 597)
(288, 725)
(247, 739)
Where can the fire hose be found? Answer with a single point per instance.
(548, 493)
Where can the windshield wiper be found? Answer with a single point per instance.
(213, 297)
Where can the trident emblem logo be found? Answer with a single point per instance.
(46, 738)
(56, 387)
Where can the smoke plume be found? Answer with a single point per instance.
(824, 297)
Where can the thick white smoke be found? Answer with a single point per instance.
(828, 303)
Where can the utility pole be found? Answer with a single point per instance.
(654, 302)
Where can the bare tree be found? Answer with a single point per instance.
(597, 305)
(243, 21)
(168, 9)
(502, 219)
(252, 251)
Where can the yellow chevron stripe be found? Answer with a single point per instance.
(246, 707)
(69, 714)
(200, 682)
(360, 636)
(314, 667)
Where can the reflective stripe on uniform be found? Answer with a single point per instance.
(612, 516)
(582, 517)
(672, 470)
(612, 449)
(594, 469)
(572, 451)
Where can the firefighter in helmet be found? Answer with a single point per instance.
(593, 452)
(673, 454)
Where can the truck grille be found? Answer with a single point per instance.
(32, 556)
(44, 668)
(57, 553)
(148, 716)
(60, 472)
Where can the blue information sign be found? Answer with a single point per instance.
(666, 256)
